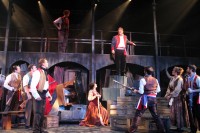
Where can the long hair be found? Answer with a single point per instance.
(91, 86)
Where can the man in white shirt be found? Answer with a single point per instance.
(29, 100)
(13, 84)
(118, 50)
(62, 24)
(39, 89)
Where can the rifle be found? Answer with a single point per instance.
(23, 104)
(123, 85)
(7, 108)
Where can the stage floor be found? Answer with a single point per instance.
(75, 128)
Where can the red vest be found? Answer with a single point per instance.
(194, 85)
(117, 38)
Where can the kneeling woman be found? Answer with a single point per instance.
(96, 114)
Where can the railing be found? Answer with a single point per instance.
(80, 42)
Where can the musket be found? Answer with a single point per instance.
(23, 104)
(10, 99)
(123, 85)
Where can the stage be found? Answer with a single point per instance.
(75, 128)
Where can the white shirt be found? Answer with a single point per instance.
(34, 83)
(26, 79)
(58, 20)
(121, 42)
(8, 79)
(143, 83)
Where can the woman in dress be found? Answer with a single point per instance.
(93, 117)
(173, 94)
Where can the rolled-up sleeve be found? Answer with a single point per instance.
(8, 79)
(141, 86)
(158, 87)
(58, 21)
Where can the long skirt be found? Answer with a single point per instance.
(92, 117)
(177, 113)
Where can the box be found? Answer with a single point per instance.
(79, 111)
(65, 115)
(75, 113)
(51, 121)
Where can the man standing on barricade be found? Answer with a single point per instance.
(148, 87)
(118, 50)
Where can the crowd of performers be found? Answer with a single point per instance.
(35, 85)
(182, 93)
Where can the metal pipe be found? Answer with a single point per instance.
(93, 74)
(156, 40)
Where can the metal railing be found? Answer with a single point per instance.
(79, 42)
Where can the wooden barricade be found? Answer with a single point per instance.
(122, 113)
(6, 118)
(51, 121)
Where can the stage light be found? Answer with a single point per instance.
(96, 1)
(115, 14)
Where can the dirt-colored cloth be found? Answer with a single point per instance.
(59, 91)
(15, 82)
(92, 117)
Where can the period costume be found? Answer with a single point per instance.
(119, 43)
(149, 88)
(13, 98)
(174, 92)
(92, 117)
(193, 100)
(63, 33)
(29, 102)
(39, 89)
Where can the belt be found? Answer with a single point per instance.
(120, 48)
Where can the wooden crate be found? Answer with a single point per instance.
(123, 123)
(51, 121)
(119, 123)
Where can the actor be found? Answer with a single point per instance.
(29, 100)
(39, 90)
(62, 24)
(193, 85)
(13, 84)
(149, 87)
(118, 50)
(93, 117)
(173, 94)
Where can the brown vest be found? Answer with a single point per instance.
(42, 81)
(15, 82)
(151, 85)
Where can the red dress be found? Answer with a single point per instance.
(92, 116)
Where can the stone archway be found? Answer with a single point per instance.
(64, 72)
(23, 65)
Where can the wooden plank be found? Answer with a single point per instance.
(51, 121)
(6, 122)
(12, 112)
